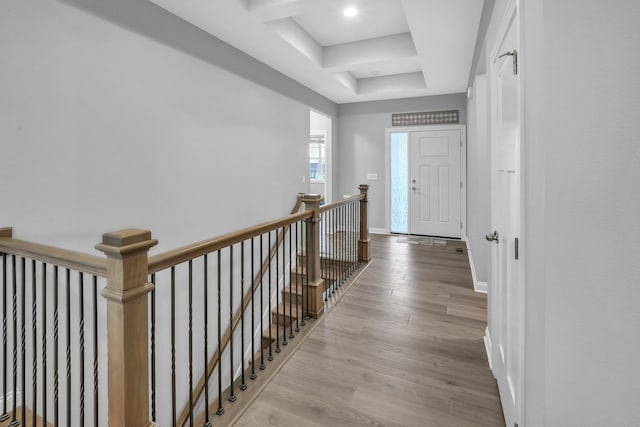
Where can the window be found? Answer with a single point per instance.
(317, 158)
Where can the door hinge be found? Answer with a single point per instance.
(516, 249)
(460, 184)
(460, 225)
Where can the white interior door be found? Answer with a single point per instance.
(506, 293)
(435, 187)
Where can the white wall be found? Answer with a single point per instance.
(581, 203)
(479, 179)
(121, 115)
(117, 114)
(361, 147)
(592, 157)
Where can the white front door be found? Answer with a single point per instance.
(435, 183)
(506, 290)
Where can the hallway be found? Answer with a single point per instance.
(403, 347)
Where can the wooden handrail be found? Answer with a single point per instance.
(56, 256)
(185, 253)
(342, 202)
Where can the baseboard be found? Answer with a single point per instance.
(377, 231)
(480, 287)
(488, 346)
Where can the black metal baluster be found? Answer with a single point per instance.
(359, 236)
(324, 246)
(23, 339)
(347, 245)
(95, 350)
(232, 396)
(243, 385)
(44, 343)
(270, 357)
(262, 366)
(34, 344)
(207, 422)
(81, 328)
(153, 349)
(56, 414)
(14, 305)
(190, 326)
(173, 346)
(68, 349)
(356, 232)
(277, 293)
(348, 240)
(344, 243)
(353, 237)
(308, 227)
(298, 301)
(5, 414)
(290, 286)
(220, 410)
(304, 269)
(253, 375)
(335, 257)
(284, 307)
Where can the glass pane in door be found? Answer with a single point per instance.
(399, 169)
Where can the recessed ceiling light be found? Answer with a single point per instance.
(350, 11)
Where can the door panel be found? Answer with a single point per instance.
(506, 293)
(425, 202)
(435, 206)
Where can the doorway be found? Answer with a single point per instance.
(426, 185)
(320, 155)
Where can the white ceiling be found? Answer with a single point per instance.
(391, 49)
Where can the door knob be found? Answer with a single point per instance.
(414, 188)
(492, 237)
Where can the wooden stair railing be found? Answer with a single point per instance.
(184, 414)
(127, 268)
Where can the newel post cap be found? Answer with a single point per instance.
(311, 198)
(6, 232)
(124, 242)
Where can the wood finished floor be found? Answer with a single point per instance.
(403, 347)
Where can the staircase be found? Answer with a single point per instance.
(287, 316)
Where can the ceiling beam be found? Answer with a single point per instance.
(272, 10)
(393, 83)
(298, 38)
(344, 56)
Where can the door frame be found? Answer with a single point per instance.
(463, 170)
(513, 13)
(328, 144)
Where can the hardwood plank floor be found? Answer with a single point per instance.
(403, 347)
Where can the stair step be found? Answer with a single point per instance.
(284, 332)
(282, 311)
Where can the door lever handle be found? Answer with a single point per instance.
(492, 237)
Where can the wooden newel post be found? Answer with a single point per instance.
(127, 326)
(363, 244)
(316, 282)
